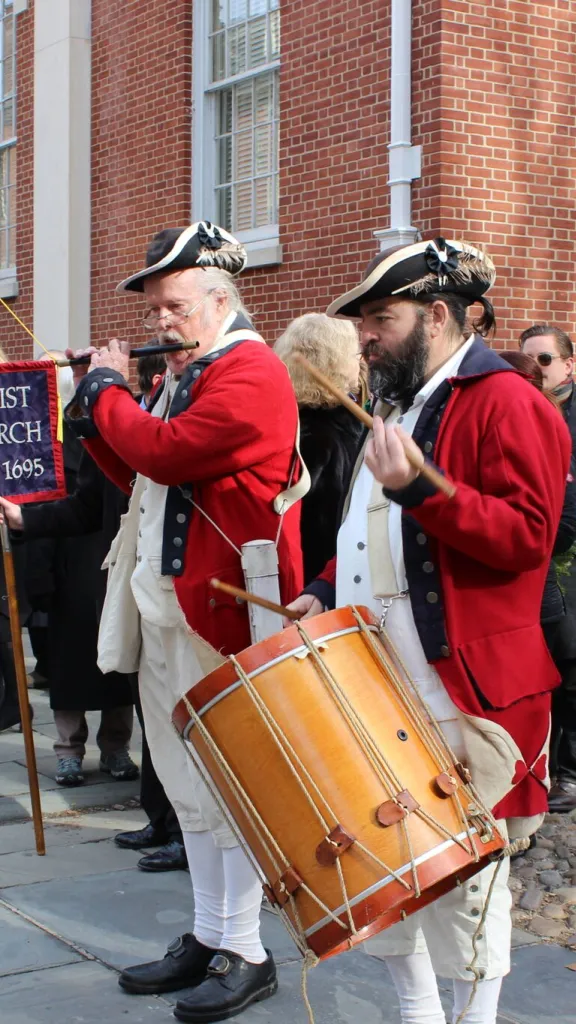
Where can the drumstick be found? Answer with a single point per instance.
(440, 482)
(245, 596)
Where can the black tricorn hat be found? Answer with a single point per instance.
(413, 270)
(201, 245)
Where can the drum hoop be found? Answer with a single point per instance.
(382, 883)
(295, 652)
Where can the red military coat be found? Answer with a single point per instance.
(234, 444)
(508, 451)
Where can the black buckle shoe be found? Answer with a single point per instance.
(184, 966)
(230, 986)
(143, 837)
(171, 857)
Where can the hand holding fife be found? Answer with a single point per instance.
(11, 514)
(80, 370)
(115, 357)
(386, 456)
(306, 605)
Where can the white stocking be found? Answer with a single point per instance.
(207, 874)
(227, 897)
(243, 902)
(484, 1007)
(417, 988)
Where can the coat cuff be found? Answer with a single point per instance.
(415, 493)
(324, 591)
(79, 412)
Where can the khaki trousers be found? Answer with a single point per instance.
(168, 668)
(446, 927)
(114, 733)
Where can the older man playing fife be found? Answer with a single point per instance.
(212, 458)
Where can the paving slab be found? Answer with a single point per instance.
(125, 917)
(80, 828)
(12, 745)
(72, 860)
(539, 989)
(14, 780)
(522, 938)
(82, 992)
(26, 948)
(126, 820)
(56, 801)
(48, 730)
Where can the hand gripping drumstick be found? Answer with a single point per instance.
(440, 482)
(245, 596)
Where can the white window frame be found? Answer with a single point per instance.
(8, 275)
(262, 244)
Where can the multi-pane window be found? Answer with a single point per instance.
(7, 136)
(243, 88)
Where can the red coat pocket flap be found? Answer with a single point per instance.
(507, 666)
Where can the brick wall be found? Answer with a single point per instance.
(494, 98)
(505, 107)
(141, 131)
(334, 161)
(13, 339)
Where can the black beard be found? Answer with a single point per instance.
(398, 376)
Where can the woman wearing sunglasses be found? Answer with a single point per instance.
(553, 350)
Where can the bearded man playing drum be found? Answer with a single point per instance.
(458, 580)
(211, 458)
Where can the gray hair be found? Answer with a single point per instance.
(212, 279)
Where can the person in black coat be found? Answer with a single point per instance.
(94, 508)
(553, 349)
(329, 433)
(82, 527)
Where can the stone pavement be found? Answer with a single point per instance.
(70, 920)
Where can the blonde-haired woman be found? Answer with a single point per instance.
(329, 433)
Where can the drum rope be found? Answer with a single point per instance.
(297, 934)
(280, 738)
(429, 726)
(255, 819)
(441, 744)
(380, 764)
(408, 838)
(298, 938)
(367, 741)
(508, 851)
(373, 752)
(422, 720)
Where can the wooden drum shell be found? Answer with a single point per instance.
(322, 738)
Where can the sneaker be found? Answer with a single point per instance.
(119, 765)
(69, 771)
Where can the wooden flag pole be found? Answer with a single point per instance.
(20, 667)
